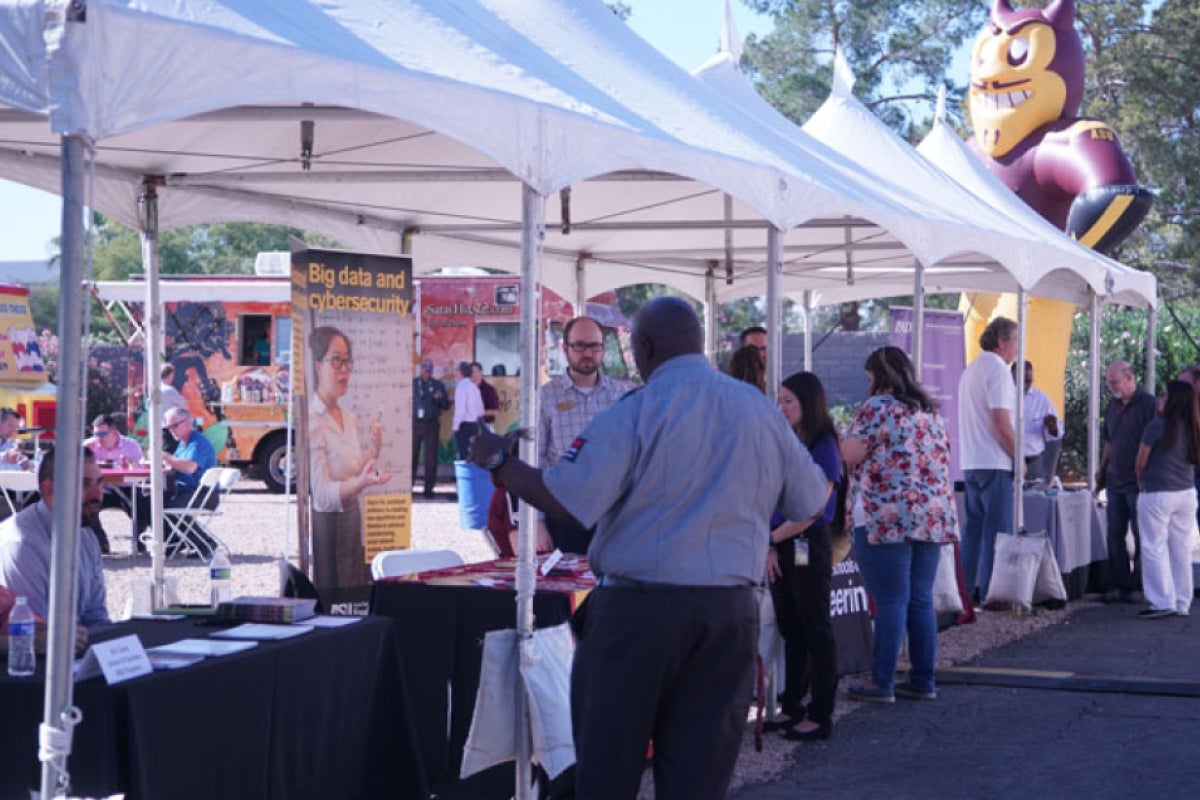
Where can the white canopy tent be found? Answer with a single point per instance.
(194, 112)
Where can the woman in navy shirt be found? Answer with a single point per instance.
(800, 568)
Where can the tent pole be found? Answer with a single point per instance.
(710, 312)
(774, 301)
(1019, 415)
(581, 294)
(1151, 353)
(1093, 413)
(918, 333)
(64, 545)
(808, 330)
(532, 227)
(148, 208)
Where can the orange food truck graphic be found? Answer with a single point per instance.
(229, 339)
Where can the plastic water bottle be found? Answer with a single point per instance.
(21, 662)
(220, 574)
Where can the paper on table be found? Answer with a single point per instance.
(324, 621)
(202, 647)
(172, 660)
(261, 632)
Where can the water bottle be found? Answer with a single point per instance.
(220, 573)
(21, 661)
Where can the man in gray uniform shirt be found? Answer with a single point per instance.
(680, 477)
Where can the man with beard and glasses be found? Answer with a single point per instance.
(566, 406)
(25, 547)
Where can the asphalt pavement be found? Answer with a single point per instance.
(1105, 705)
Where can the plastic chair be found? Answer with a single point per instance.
(186, 527)
(391, 563)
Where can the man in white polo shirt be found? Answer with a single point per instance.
(987, 400)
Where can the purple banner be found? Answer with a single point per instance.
(942, 363)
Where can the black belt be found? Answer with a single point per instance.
(620, 582)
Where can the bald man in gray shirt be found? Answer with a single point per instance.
(680, 477)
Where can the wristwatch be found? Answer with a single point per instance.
(496, 460)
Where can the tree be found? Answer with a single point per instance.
(900, 52)
(1142, 81)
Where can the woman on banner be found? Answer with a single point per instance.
(340, 467)
(902, 507)
(1166, 504)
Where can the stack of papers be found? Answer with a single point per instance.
(256, 632)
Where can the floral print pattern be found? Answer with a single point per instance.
(904, 482)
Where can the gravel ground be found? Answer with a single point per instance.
(254, 524)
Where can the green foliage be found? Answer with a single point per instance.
(1123, 338)
(900, 52)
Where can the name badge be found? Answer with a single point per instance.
(420, 413)
(565, 405)
(800, 559)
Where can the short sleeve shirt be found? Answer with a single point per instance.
(197, 449)
(985, 385)
(1168, 469)
(903, 486)
(1124, 424)
(680, 478)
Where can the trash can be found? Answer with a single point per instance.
(474, 495)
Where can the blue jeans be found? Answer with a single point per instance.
(989, 509)
(1122, 515)
(900, 578)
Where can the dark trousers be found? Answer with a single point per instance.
(425, 432)
(1122, 515)
(675, 665)
(462, 439)
(801, 599)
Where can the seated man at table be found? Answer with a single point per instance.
(111, 448)
(25, 547)
(11, 456)
(193, 456)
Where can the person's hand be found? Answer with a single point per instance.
(369, 476)
(1100, 482)
(773, 570)
(854, 450)
(81, 639)
(484, 445)
(1051, 423)
(545, 544)
(11, 456)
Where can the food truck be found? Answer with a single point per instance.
(229, 339)
(23, 379)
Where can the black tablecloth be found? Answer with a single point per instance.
(322, 715)
(441, 631)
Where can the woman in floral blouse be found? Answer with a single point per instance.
(902, 509)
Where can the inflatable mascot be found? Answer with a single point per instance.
(1027, 75)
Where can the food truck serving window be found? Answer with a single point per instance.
(254, 337)
(498, 347)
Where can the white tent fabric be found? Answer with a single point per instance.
(1043, 260)
(208, 100)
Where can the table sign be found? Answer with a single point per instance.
(550, 562)
(118, 659)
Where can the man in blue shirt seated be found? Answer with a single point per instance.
(193, 456)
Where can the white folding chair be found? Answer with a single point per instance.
(391, 563)
(186, 528)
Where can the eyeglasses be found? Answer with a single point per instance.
(176, 424)
(104, 433)
(339, 363)
(585, 347)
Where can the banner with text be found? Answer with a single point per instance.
(943, 361)
(352, 350)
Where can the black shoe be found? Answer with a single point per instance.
(784, 723)
(1155, 613)
(818, 734)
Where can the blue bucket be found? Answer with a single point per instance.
(474, 495)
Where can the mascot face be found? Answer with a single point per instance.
(1027, 71)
